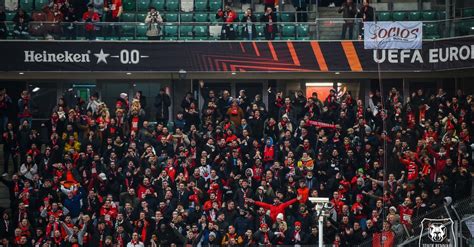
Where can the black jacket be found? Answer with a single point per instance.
(266, 18)
(162, 103)
(245, 30)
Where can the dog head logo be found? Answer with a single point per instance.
(437, 232)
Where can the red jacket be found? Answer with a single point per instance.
(94, 17)
(411, 167)
(275, 209)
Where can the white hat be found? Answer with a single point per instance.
(102, 176)
(280, 216)
(123, 95)
(393, 208)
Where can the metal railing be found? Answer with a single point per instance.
(321, 29)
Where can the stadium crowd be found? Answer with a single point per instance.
(70, 19)
(237, 172)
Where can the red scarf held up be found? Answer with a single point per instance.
(321, 124)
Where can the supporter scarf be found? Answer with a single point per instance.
(297, 237)
(270, 26)
(266, 240)
(144, 229)
(322, 125)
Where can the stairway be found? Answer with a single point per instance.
(329, 29)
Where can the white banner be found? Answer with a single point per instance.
(393, 35)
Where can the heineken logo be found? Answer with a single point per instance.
(62, 57)
(124, 57)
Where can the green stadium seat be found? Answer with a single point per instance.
(215, 5)
(171, 31)
(287, 17)
(172, 5)
(171, 17)
(141, 17)
(129, 5)
(158, 4)
(384, 16)
(185, 31)
(442, 15)
(186, 17)
(201, 17)
(200, 5)
(257, 16)
(26, 5)
(260, 31)
(39, 4)
(128, 31)
(287, 31)
(10, 15)
(429, 15)
(240, 16)
(430, 31)
(201, 32)
(129, 17)
(142, 5)
(302, 32)
(468, 12)
(414, 16)
(141, 31)
(399, 16)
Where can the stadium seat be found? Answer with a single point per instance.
(39, 4)
(129, 5)
(201, 17)
(172, 5)
(302, 32)
(26, 5)
(398, 16)
(200, 5)
(215, 5)
(468, 12)
(171, 31)
(287, 31)
(442, 15)
(171, 17)
(158, 4)
(414, 16)
(430, 31)
(384, 16)
(201, 32)
(10, 15)
(129, 17)
(141, 17)
(141, 31)
(287, 17)
(240, 16)
(185, 31)
(128, 31)
(429, 15)
(186, 17)
(260, 32)
(142, 5)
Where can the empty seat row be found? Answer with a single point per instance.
(411, 16)
(169, 5)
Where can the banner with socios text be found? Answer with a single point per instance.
(393, 35)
